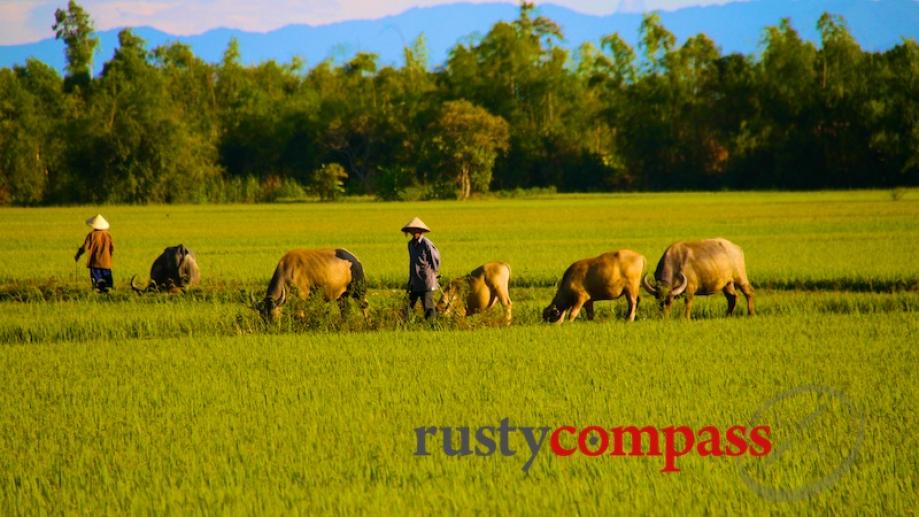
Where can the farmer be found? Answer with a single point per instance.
(423, 267)
(99, 248)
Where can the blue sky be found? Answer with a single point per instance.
(26, 21)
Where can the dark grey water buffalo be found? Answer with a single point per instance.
(606, 277)
(337, 272)
(175, 269)
(700, 268)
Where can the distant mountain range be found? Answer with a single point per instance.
(735, 27)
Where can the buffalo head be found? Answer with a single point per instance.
(552, 314)
(663, 292)
(450, 297)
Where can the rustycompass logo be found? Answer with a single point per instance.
(595, 441)
(818, 433)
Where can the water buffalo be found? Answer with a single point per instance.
(700, 268)
(479, 290)
(338, 273)
(606, 277)
(176, 269)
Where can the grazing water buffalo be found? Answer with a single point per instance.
(336, 272)
(175, 269)
(479, 290)
(700, 268)
(606, 277)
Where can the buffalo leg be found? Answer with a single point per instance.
(589, 309)
(506, 303)
(747, 291)
(731, 296)
(482, 305)
(576, 309)
(633, 305)
(665, 307)
(687, 310)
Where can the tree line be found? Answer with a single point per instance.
(508, 110)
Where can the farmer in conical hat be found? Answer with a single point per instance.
(99, 248)
(423, 267)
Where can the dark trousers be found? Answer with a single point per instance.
(101, 279)
(427, 301)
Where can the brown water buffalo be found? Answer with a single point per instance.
(336, 272)
(176, 269)
(606, 277)
(700, 268)
(479, 290)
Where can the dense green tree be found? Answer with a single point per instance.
(619, 67)
(735, 112)
(191, 85)
(693, 73)
(138, 147)
(649, 137)
(75, 27)
(22, 171)
(328, 181)
(467, 139)
(606, 77)
(787, 91)
(509, 109)
(33, 111)
(892, 116)
(839, 127)
(656, 42)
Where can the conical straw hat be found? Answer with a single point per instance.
(415, 225)
(97, 222)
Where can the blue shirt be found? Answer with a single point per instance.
(423, 265)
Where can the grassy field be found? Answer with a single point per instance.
(850, 238)
(190, 403)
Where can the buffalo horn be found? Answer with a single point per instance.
(647, 284)
(253, 303)
(678, 290)
(138, 290)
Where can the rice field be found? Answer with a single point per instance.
(177, 404)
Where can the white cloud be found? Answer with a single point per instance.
(198, 16)
(138, 9)
(23, 21)
(14, 26)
